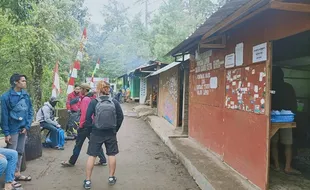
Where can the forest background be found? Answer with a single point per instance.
(35, 34)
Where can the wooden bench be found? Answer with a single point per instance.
(276, 126)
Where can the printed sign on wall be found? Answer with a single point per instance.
(142, 90)
(260, 53)
(230, 60)
(239, 54)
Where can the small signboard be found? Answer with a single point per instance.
(260, 53)
(230, 60)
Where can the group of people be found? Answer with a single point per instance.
(99, 119)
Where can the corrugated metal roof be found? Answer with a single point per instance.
(217, 17)
(169, 66)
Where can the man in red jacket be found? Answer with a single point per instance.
(73, 100)
(83, 132)
(73, 107)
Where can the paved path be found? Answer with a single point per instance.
(144, 162)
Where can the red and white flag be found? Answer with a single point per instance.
(56, 82)
(77, 63)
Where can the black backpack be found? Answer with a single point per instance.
(105, 113)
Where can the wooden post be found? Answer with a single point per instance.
(268, 106)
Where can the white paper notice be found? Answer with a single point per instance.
(230, 60)
(239, 54)
(234, 83)
(261, 76)
(260, 53)
(256, 88)
(213, 82)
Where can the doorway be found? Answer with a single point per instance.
(292, 56)
(181, 85)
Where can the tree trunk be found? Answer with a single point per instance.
(33, 147)
(37, 78)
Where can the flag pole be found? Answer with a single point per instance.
(76, 64)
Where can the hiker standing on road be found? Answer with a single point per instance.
(108, 118)
(73, 108)
(83, 132)
(16, 118)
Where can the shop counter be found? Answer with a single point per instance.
(276, 126)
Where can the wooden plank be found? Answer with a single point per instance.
(231, 18)
(295, 7)
(243, 19)
(268, 106)
(284, 125)
(212, 46)
(276, 126)
(212, 39)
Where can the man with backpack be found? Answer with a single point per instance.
(83, 132)
(46, 117)
(108, 118)
(16, 118)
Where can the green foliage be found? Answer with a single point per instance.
(17, 10)
(175, 21)
(34, 35)
(124, 44)
(51, 33)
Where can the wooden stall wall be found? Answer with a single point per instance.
(168, 106)
(232, 126)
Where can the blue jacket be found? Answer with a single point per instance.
(11, 125)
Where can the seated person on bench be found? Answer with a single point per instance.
(8, 161)
(46, 117)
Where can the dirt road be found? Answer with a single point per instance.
(144, 162)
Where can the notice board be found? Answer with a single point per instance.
(246, 88)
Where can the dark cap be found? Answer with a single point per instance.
(54, 99)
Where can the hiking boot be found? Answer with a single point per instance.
(87, 184)
(112, 180)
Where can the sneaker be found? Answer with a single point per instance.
(66, 164)
(101, 164)
(87, 184)
(112, 180)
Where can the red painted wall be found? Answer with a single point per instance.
(240, 137)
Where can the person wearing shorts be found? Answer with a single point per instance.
(283, 99)
(99, 137)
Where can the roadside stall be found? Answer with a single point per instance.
(231, 96)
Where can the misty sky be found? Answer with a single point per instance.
(95, 7)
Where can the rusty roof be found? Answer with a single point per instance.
(216, 18)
